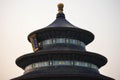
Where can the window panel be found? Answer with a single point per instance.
(62, 40)
(82, 44)
(67, 40)
(54, 41)
(59, 63)
(62, 63)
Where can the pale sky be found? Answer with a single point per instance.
(20, 17)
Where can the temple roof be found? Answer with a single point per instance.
(61, 22)
(62, 28)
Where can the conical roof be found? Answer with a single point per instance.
(61, 22)
(61, 28)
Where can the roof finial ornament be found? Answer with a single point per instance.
(60, 7)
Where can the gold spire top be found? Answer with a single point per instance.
(60, 7)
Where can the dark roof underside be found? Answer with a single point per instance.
(63, 77)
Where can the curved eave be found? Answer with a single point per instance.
(61, 25)
(36, 76)
(91, 57)
(76, 33)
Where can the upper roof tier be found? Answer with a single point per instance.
(61, 28)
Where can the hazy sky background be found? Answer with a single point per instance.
(20, 17)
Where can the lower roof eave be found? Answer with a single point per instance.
(63, 76)
(89, 56)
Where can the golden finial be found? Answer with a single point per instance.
(60, 7)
